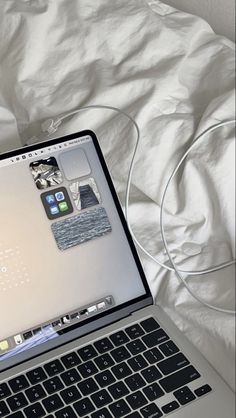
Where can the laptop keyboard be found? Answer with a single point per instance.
(118, 376)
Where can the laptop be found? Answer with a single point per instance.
(80, 335)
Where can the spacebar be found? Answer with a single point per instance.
(181, 378)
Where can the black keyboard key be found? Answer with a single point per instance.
(118, 390)
(120, 354)
(151, 374)
(105, 378)
(84, 407)
(136, 347)
(53, 385)
(153, 355)
(36, 375)
(153, 392)
(35, 411)
(17, 401)
(70, 395)
(203, 390)
(119, 338)
(169, 348)
(54, 367)
(66, 413)
(178, 379)
(102, 413)
(134, 331)
(87, 369)
(3, 409)
(171, 406)
(88, 386)
(137, 363)
(149, 324)
(119, 408)
(18, 383)
(184, 395)
(4, 391)
(101, 398)
(35, 393)
(135, 382)
(134, 414)
(70, 377)
(104, 361)
(172, 364)
(121, 371)
(52, 403)
(136, 400)
(70, 360)
(103, 345)
(151, 411)
(87, 353)
(155, 338)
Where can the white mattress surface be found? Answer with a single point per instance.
(175, 77)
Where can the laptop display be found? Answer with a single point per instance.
(65, 258)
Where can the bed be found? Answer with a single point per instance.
(175, 76)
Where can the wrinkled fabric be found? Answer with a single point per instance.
(176, 78)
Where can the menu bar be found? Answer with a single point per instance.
(44, 151)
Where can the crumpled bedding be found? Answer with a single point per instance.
(176, 78)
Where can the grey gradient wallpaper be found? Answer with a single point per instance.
(59, 250)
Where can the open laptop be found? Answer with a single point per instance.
(79, 333)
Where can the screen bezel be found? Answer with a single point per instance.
(107, 317)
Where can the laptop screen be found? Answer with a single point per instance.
(64, 255)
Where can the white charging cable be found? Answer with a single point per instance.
(50, 126)
(173, 174)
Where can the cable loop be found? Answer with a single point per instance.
(52, 125)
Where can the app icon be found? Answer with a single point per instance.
(56, 203)
(101, 305)
(4, 345)
(83, 312)
(92, 309)
(50, 199)
(59, 196)
(27, 335)
(109, 300)
(65, 319)
(37, 331)
(18, 339)
(63, 206)
(54, 210)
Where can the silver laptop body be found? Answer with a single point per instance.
(79, 333)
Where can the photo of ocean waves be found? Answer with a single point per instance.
(81, 228)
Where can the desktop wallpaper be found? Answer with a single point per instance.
(62, 245)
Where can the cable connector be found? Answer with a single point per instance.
(51, 125)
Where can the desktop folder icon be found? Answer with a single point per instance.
(4, 345)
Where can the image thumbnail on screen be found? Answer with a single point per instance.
(46, 173)
(85, 193)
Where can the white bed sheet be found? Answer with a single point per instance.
(176, 77)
